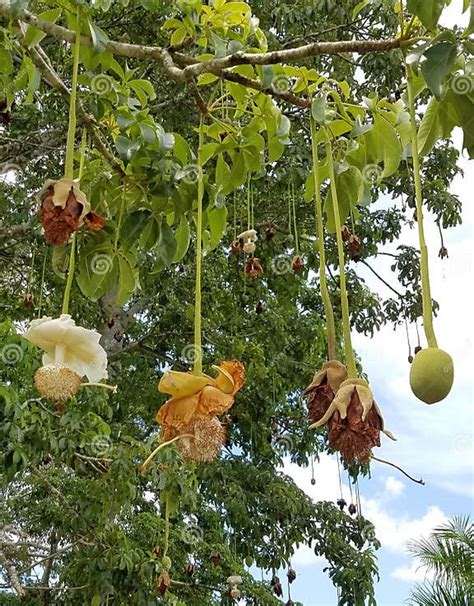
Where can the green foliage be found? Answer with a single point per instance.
(70, 480)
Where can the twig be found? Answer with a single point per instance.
(420, 481)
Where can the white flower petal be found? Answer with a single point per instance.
(82, 351)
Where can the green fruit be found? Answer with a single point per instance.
(166, 563)
(431, 375)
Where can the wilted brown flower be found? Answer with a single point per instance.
(269, 233)
(323, 388)
(253, 267)
(216, 558)
(354, 245)
(291, 575)
(345, 233)
(236, 247)
(163, 582)
(443, 252)
(28, 299)
(297, 263)
(276, 586)
(63, 209)
(190, 569)
(354, 421)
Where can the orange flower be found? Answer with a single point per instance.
(192, 395)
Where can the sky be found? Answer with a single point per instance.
(433, 442)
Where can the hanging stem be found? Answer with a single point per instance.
(297, 243)
(69, 162)
(425, 276)
(420, 481)
(167, 527)
(330, 326)
(72, 255)
(144, 465)
(197, 295)
(350, 360)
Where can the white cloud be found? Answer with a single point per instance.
(412, 573)
(393, 486)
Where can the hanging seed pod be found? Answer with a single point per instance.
(431, 375)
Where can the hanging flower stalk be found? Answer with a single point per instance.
(63, 207)
(190, 417)
(432, 371)
(326, 381)
(353, 417)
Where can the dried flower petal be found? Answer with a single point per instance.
(253, 267)
(321, 391)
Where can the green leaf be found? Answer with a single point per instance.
(350, 190)
(97, 271)
(133, 226)
(429, 129)
(126, 148)
(182, 235)
(217, 223)
(440, 60)
(428, 11)
(318, 108)
(127, 278)
(33, 35)
(166, 248)
(389, 148)
(275, 149)
(96, 600)
(99, 37)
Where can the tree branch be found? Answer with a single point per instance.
(11, 573)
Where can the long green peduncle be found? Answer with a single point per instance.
(72, 256)
(425, 275)
(330, 325)
(350, 360)
(197, 296)
(69, 161)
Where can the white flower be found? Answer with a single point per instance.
(250, 235)
(68, 345)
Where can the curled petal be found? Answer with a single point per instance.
(231, 376)
(177, 412)
(213, 401)
(94, 221)
(180, 384)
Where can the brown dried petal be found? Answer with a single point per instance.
(297, 263)
(319, 400)
(59, 223)
(163, 582)
(94, 221)
(351, 436)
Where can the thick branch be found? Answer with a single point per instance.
(11, 574)
(163, 56)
